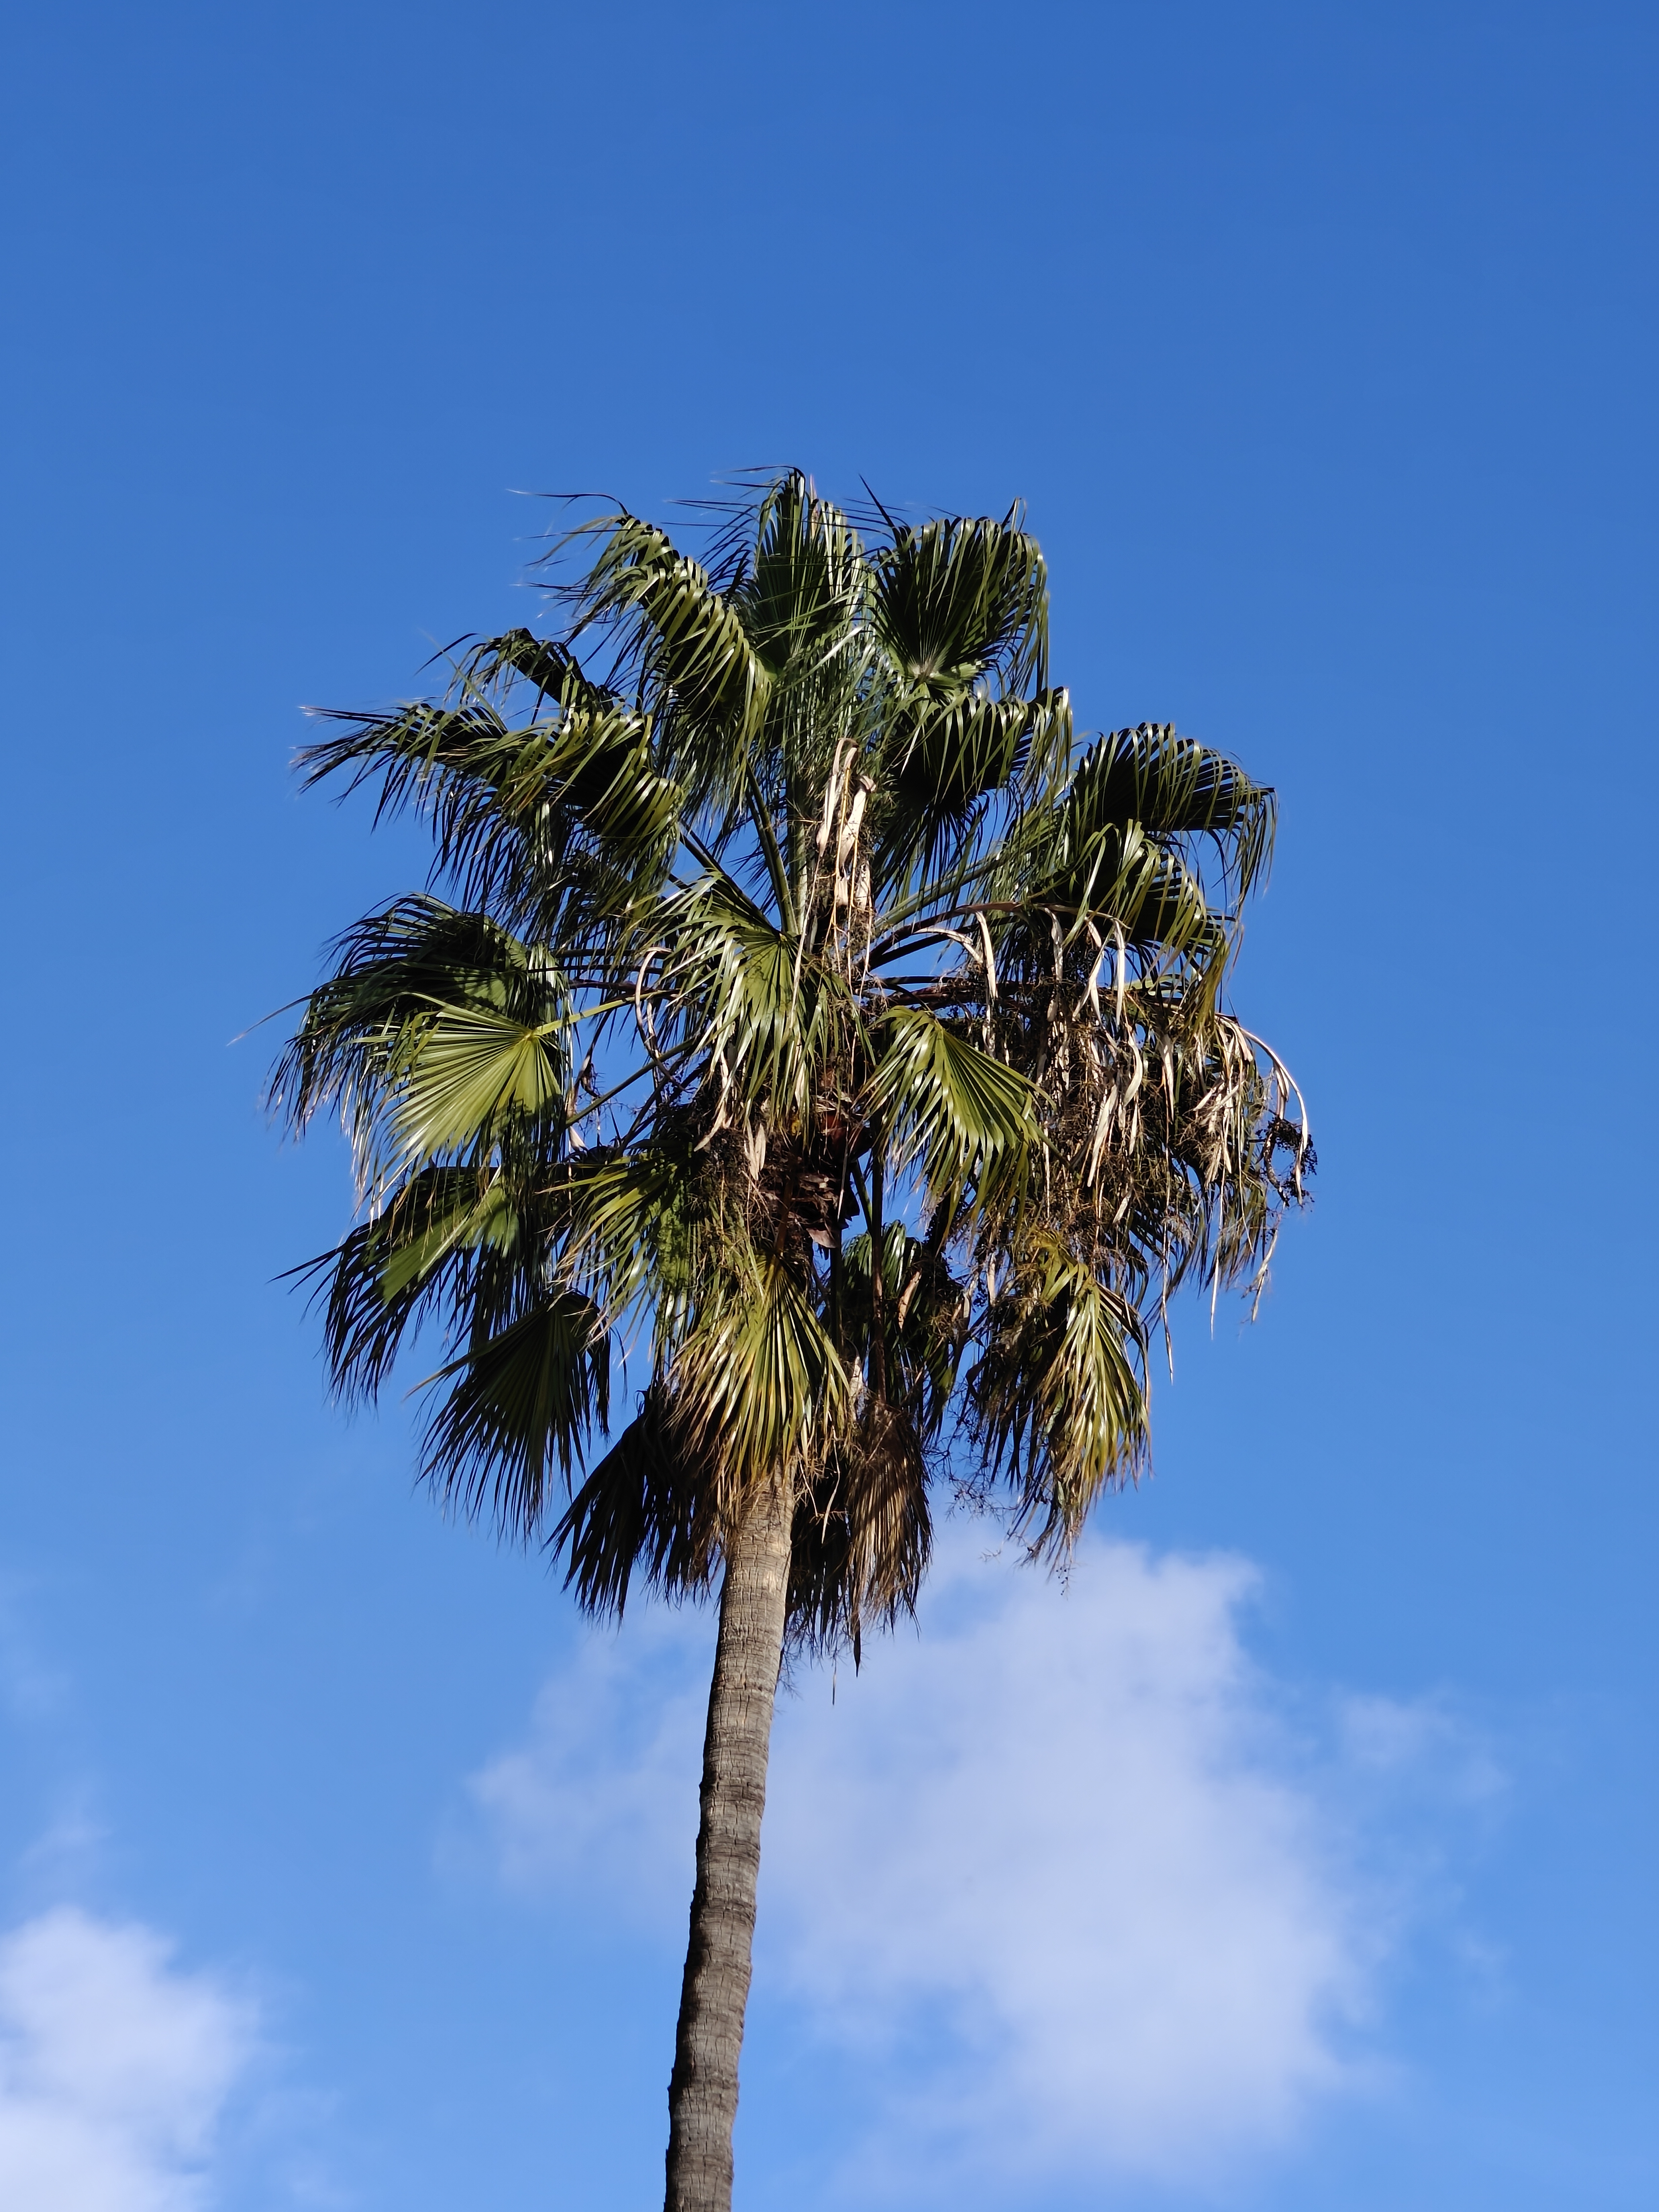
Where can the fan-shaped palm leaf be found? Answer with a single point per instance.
(957, 599)
(526, 1395)
(467, 1068)
(953, 1109)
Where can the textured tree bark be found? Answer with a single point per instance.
(703, 2091)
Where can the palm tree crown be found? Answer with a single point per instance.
(803, 1016)
(798, 1021)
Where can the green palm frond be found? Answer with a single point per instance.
(1172, 786)
(413, 753)
(1071, 874)
(638, 1225)
(688, 643)
(806, 589)
(390, 966)
(546, 664)
(481, 1215)
(464, 1069)
(571, 804)
(520, 1402)
(646, 1509)
(960, 598)
(388, 1275)
(918, 1314)
(433, 755)
(943, 757)
(768, 1019)
(362, 1028)
(758, 1380)
(960, 1114)
(1057, 1400)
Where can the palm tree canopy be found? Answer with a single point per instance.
(799, 1022)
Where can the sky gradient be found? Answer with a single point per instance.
(1301, 1853)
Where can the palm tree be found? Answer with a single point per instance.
(791, 1011)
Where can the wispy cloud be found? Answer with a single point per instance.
(603, 1793)
(114, 2069)
(1054, 1874)
(32, 1690)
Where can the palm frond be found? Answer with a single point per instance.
(960, 598)
(633, 1224)
(918, 1314)
(646, 1509)
(387, 1275)
(805, 589)
(1172, 786)
(758, 1379)
(463, 1069)
(957, 1112)
(519, 1402)
(943, 757)
(1069, 873)
(388, 967)
(687, 644)
(862, 1535)
(1057, 1400)
(523, 814)
(362, 1028)
(768, 1019)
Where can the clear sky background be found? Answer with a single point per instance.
(1301, 1855)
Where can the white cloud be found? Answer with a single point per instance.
(1051, 1874)
(1056, 1851)
(114, 2068)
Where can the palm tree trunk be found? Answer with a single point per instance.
(703, 2091)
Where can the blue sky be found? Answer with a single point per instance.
(1301, 1854)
